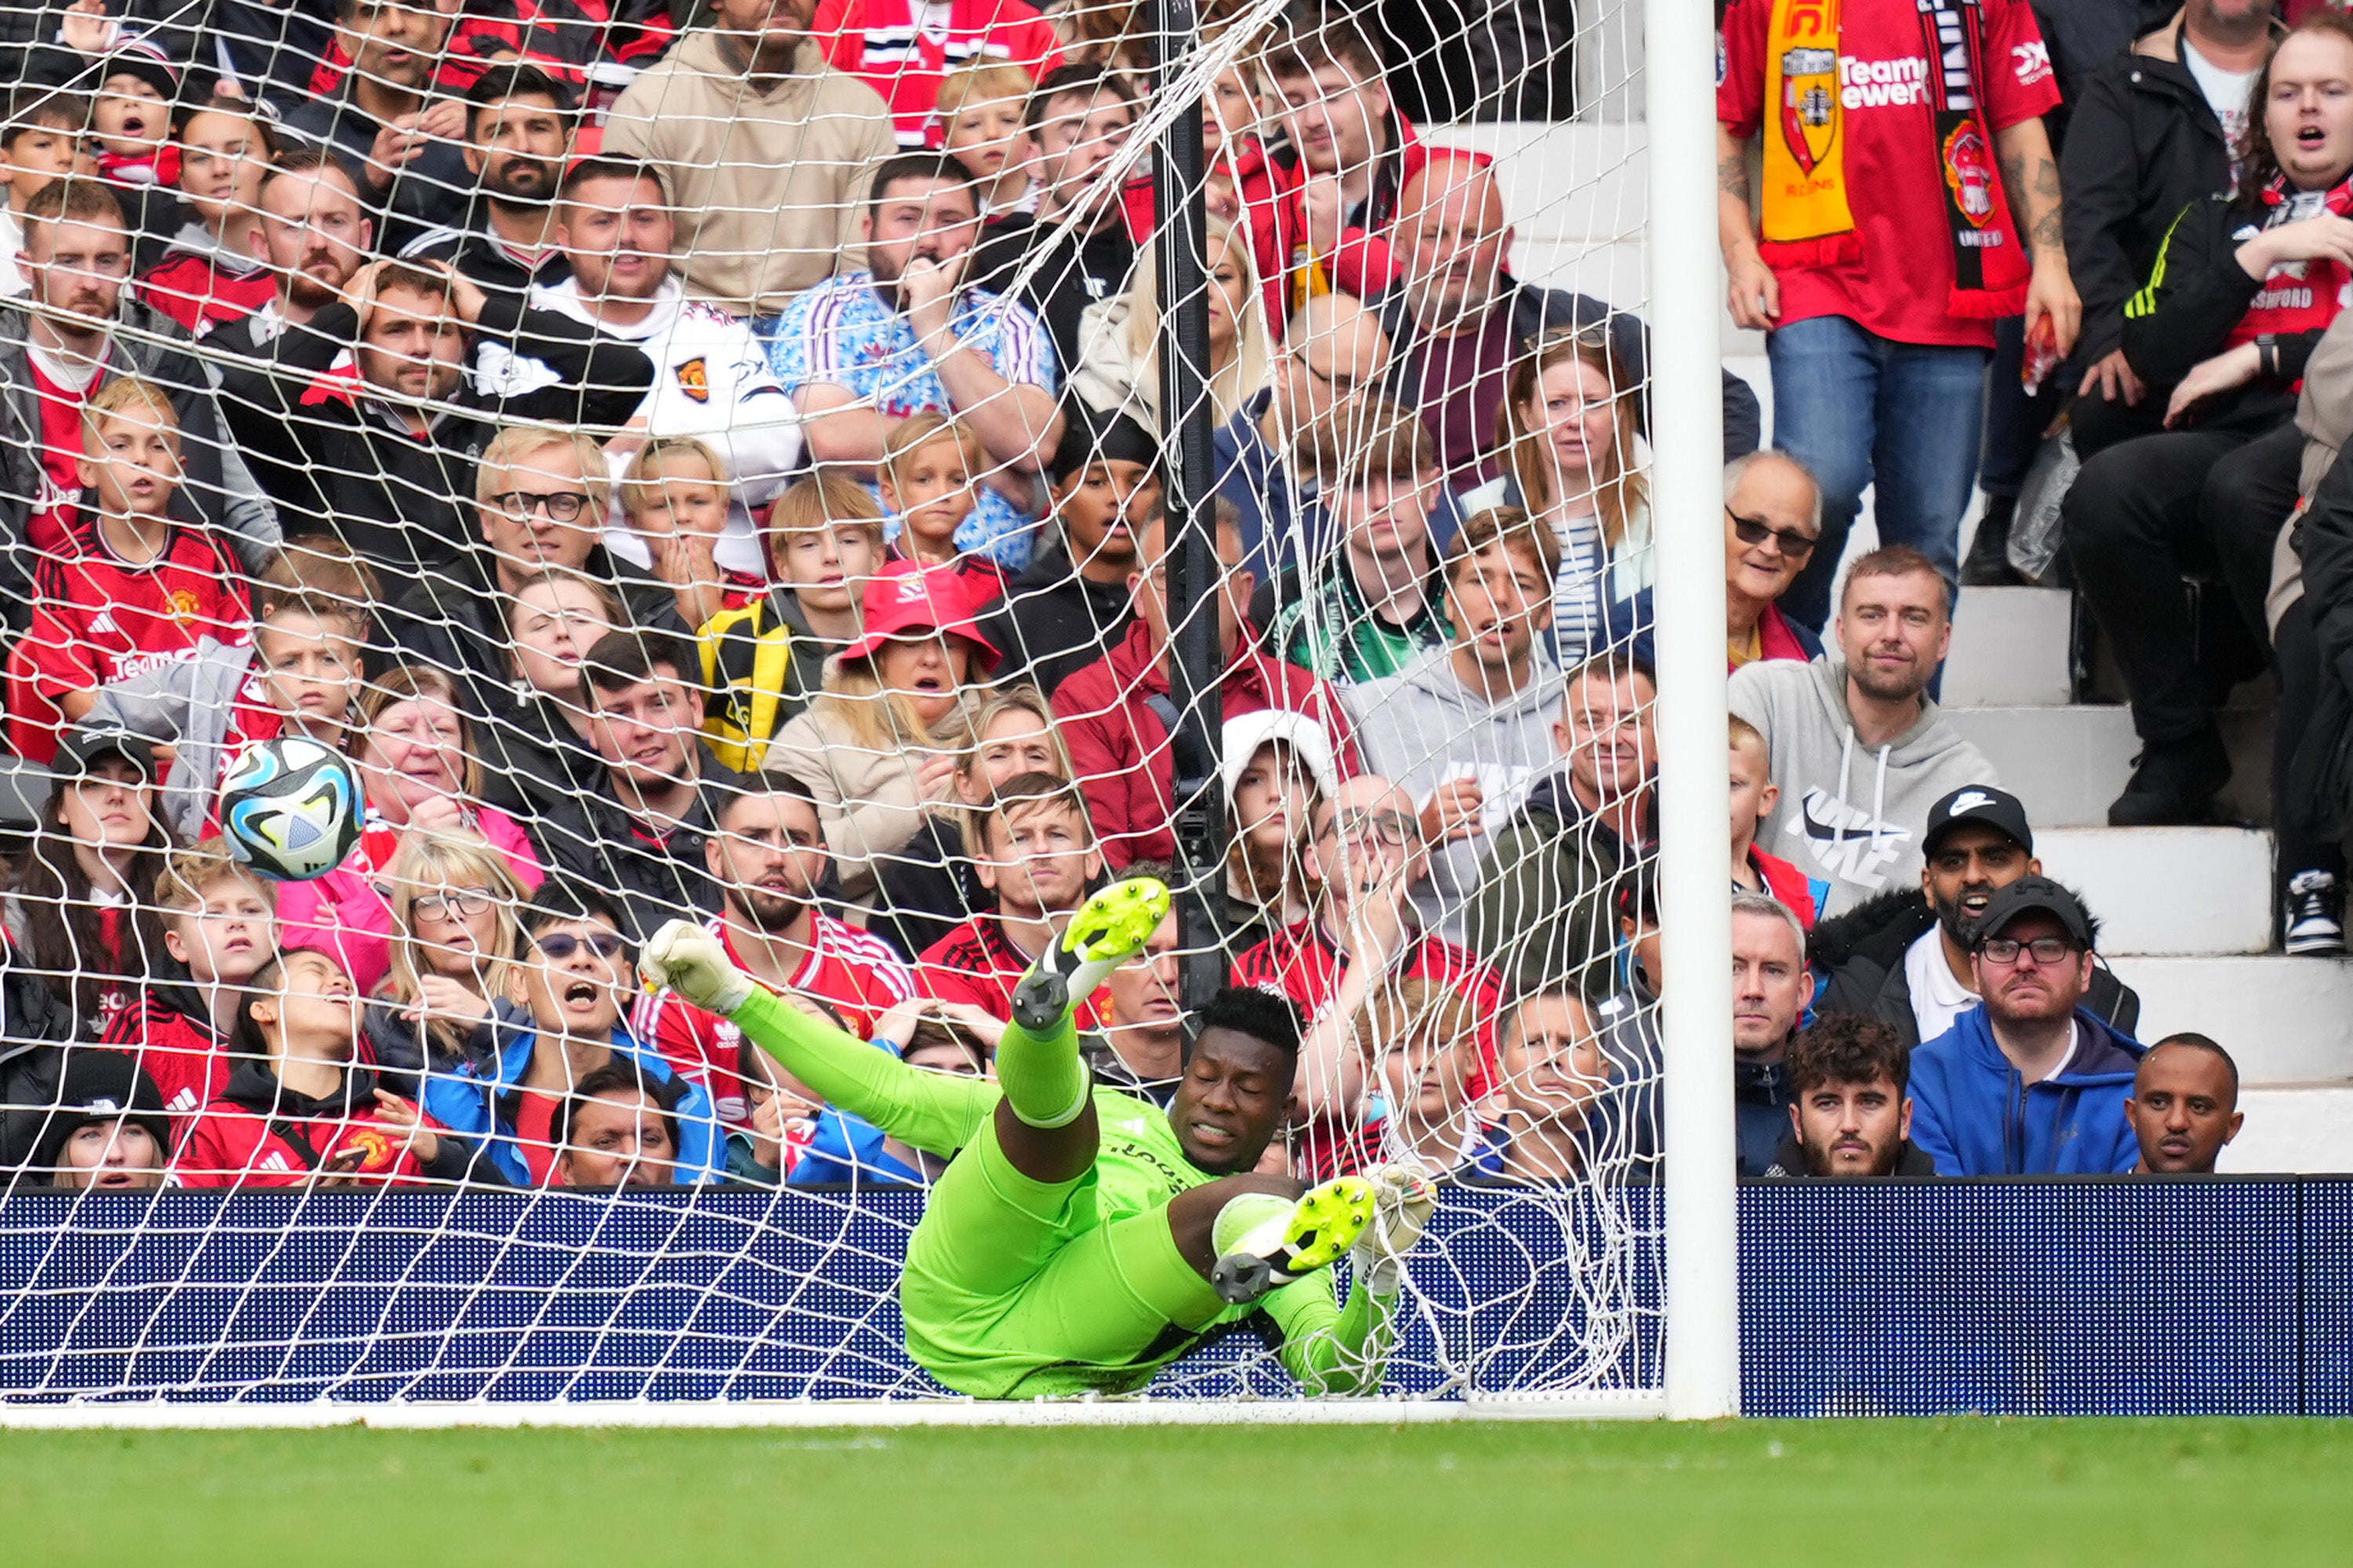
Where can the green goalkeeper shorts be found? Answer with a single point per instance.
(1019, 1288)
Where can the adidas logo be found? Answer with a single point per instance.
(278, 1163)
(185, 1100)
(104, 623)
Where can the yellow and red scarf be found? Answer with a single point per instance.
(1807, 220)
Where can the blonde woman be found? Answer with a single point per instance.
(868, 745)
(1567, 438)
(930, 886)
(454, 939)
(1118, 370)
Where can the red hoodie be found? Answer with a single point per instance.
(1122, 750)
(259, 1134)
(1785, 883)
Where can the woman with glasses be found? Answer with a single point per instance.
(454, 939)
(1567, 433)
(414, 748)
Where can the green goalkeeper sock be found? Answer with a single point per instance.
(1044, 1078)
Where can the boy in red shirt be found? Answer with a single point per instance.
(131, 587)
(767, 854)
(1754, 794)
(1890, 246)
(206, 277)
(1035, 851)
(220, 927)
(298, 1110)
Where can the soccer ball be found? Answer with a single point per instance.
(290, 808)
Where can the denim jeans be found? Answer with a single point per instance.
(1861, 409)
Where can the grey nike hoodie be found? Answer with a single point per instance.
(1850, 813)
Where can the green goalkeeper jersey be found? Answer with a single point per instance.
(1015, 1287)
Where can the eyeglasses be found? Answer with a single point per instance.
(564, 944)
(561, 506)
(1795, 546)
(1394, 829)
(2043, 949)
(463, 901)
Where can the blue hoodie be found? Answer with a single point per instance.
(1976, 1117)
(477, 1103)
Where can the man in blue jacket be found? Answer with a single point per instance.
(2028, 1082)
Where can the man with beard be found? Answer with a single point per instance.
(385, 456)
(520, 123)
(2031, 1082)
(308, 224)
(1850, 1118)
(864, 350)
(1904, 958)
(1858, 746)
(398, 139)
(60, 351)
(767, 854)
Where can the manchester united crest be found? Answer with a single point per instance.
(694, 380)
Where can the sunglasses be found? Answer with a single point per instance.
(564, 944)
(1794, 545)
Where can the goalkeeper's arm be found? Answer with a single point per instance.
(937, 1112)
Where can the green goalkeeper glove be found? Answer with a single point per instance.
(686, 959)
(1403, 1201)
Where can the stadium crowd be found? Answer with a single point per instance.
(714, 464)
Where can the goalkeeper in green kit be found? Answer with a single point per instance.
(1081, 1238)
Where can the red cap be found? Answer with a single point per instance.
(907, 597)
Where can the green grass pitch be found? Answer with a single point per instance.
(1751, 1494)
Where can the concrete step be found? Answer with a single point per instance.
(2277, 1016)
(2010, 648)
(2068, 763)
(2307, 1130)
(2196, 891)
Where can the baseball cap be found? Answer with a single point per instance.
(906, 599)
(101, 1085)
(2003, 812)
(2025, 895)
(139, 58)
(1310, 747)
(84, 749)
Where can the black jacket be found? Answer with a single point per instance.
(1789, 1161)
(1053, 621)
(2318, 797)
(34, 1029)
(593, 840)
(1858, 959)
(1537, 312)
(2141, 145)
(470, 249)
(926, 888)
(2196, 293)
(1761, 1097)
(1072, 272)
(333, 455)
(431, 191)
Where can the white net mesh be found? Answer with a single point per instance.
(719, 467)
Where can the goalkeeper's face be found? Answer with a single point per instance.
(1232, 1101)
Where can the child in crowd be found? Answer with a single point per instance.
(133, 588)
(299, 675)
(130, 120)
(536, 751)
(1036, 855)
(40, 144)
(1419, 1042)
(1754, 794)
(220, 927)
(763, 662)
(206, 276)
(930, 466)
(562, 1019)
(981, 126)
(675, 498)
(107, 1133)
(299, 1109)
(1278, 767)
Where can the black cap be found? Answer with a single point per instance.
(101, 1085)
(2024, 895)
(141, 57)
(1997, 808)
(1090, 435)
(83, 748)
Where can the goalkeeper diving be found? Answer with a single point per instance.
(1081, 1238)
